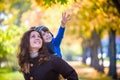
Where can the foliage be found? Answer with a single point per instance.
(9, 5)
(9, 41)
(96, 14)
(14, 9)
(50, 2)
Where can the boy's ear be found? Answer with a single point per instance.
(51, 34)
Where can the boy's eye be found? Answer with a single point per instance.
(43, 34)
(47, 32)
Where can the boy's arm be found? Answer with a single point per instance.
(60, 34)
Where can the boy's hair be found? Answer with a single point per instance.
(43, 28)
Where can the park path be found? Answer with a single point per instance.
(82, 69)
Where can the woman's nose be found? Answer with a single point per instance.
(37, 38)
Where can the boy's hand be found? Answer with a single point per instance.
(65, 19)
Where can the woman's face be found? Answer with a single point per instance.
(35, 41)
(46, 36)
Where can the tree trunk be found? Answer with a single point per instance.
(84, 57)
(85, 48)
(101, 58)
(94, 51)
(94, 57)
(112, 52)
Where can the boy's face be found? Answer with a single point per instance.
(46, 36)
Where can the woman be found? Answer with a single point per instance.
(53, 43)
(37, 64)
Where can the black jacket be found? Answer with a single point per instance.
(50, 70)
(50, 47)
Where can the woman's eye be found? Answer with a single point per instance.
(32, 36)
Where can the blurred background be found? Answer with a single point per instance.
(91, 43)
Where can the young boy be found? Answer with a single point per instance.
(53, 43)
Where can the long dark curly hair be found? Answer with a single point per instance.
(24, 55)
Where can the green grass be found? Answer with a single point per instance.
(11, 76)
(8, 74)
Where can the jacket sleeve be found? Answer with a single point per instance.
(64, 69)
(59, 36)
